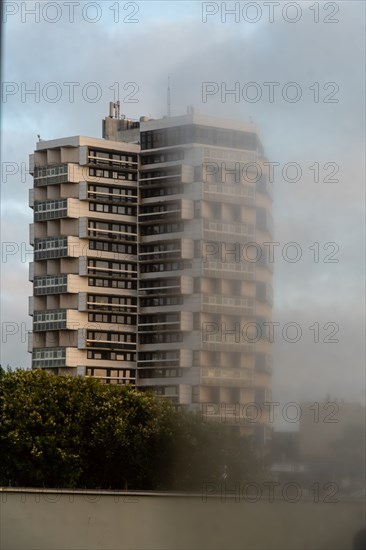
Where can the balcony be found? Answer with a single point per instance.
(178, 394)
(58, 284)
(96, 229)
(219, 303)
(50, 284)
(50, 175)
(50, 210)
(48, 357)
(181, 358)
(170, 286)
(180, 173)
(219, 342)
(164, 211)
(226, 377)
(58, 319)
(51, 247)
(74, 247)
(57, 357)
(109, 303)
(222, 192)
(99, 339)
(168, 322)
(232, 270)
(148, 180)
(216, 230)
(49, 320)
(167, 251)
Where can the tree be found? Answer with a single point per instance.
(61, 431)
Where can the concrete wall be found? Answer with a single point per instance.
(88, 520)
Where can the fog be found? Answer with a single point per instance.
(296, 70)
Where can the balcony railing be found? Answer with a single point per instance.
(52, 247)
(235, 191)
(50, 175)
(233, 268)
(49, 320)
(246, 304)
(50, 210)
(50, 284)
(226, 377)
(231, 228)
(217, 342)
(49, 357)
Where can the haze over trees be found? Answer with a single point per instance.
(66, 432)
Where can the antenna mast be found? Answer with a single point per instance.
(168, 98)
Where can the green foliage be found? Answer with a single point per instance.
(75, 432)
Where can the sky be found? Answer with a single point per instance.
(298, 72)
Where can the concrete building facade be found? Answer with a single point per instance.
(149, 266)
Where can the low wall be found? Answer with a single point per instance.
(91, 520)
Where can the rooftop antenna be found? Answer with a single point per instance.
(114, 109)
(168, 97)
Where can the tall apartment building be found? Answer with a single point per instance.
(143, 270)
(84, 274)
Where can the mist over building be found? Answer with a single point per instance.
(149, 268)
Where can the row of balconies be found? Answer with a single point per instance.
(86, 193)
(221, 303)
(229, 193)
(182, 249)
(55, 209)
(86, 341)
(47, 285)
(178, 209)
(50, 284)
(74, 247)
(177, 285)
(59, 284)
(85, 305)
(178, 393)
(162, 323)
(232, 270)
(54, 174)
(216, 230)
(214, 342)
(59, 319)
(93, 338)
(226, 377)
(159, 359)
(72, 356)
(83, 191)
(50, 175)
(56, 357)
(82, 269)
(86, 231)
(184, 173)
